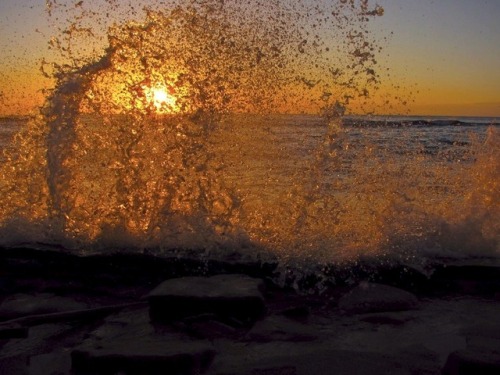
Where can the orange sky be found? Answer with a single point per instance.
(444, 54)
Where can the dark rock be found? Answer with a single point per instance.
(212, 329)
(482, 355)
(368, 298)
(483, 343)
(473, 362)
(208, 327)
(403, 277)
(48, 338)
(385, 319)
(280, 370)
(479, 278)
(237, 265)
(12, 365)
(55, 363)
(232, 298)
(379, 269)
(145, 357)
(297, 312)
(13, 331)
(489, 329)
(278, 328)
(20, 305)
(127, 343)
(118, 268)
(308, 358)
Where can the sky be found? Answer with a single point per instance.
(450, 49)
(445, 54)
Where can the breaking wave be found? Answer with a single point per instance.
(179, 135)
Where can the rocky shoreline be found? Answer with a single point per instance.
(139, 314)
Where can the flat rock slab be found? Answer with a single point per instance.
(127, 343)
(312, 360)
(13, 331)
(145, 356)
(279, 328)
(482, 355)
(19, 305)
(370, 298)
(472, 362)
(230, 297)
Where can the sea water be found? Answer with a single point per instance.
(424, 186)
(224, 164)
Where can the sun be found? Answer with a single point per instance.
(161, 99)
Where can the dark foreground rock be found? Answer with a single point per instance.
(13, 331)
(279, 328)
(473, 362)
(145, 357)
(126, 342)
(482, 352)
(317, 360)
(229, 297)
(62, 314)
(478, 277)
(18, 305)
(369, 297)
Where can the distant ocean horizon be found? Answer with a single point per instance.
(493, 120)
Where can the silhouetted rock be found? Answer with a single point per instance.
(232, 298)
(230, 319)
(482, 355)
(386, 319)
(126, 342)
(472, 277)
(13, 331)
(297, 312)
(367, 298)
(473, 362)
(279, 328)
(210, 329)
(19, 305)
(145, 357)
(401, 276)
(308, 359)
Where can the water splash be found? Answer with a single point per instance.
(169, 138)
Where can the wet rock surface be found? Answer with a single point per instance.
(127, 342)
(481, 354)
(228, 297)
(19, 305)
(220, 322)
(369, 297)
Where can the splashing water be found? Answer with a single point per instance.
(176, 135)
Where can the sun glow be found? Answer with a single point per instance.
(161, 99)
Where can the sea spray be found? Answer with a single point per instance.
(171, 137)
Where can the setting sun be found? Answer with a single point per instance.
(161, 99)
